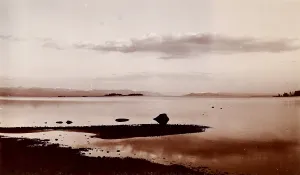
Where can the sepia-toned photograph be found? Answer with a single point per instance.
(149, 87)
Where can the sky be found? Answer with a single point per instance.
(167, 46)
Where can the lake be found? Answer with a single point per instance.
(248, 135)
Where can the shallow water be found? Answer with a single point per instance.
(252, 135)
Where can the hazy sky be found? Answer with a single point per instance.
(158, 45)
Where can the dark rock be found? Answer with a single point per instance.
(221, 108)
(59, 122)
(56, 139)
(45, 122)
(69, 122)
(162, 119)
(113, 94)
(118, 150)
(122, 120)
(212, 107)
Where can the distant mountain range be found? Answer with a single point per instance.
(49, 92)
(228, 95)
(60, 92)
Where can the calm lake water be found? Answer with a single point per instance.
(248, 135)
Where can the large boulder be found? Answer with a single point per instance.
(162, 119)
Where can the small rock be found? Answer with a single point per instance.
(122, 120)
(107, 151)
(212, 107)
(221, 108)
(59, 122)
(118, 150)
(56, 139)
(45, 122)
(162, 119)
(69, 122)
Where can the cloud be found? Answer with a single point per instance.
(10, 38)
(183, 45)
(178, 45)
(45, 42)
(145, 76)
(51, 44)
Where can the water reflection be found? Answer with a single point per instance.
(247, 156)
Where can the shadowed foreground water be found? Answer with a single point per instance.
(244, 156)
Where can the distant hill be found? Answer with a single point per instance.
(49, 92)
(228, 95)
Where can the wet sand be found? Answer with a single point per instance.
(28, 156)
(36, 156)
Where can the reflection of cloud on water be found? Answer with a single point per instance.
(253, 156)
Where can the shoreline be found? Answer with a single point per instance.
(115, 131)
(34, 156)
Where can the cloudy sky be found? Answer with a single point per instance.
(169, 46)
